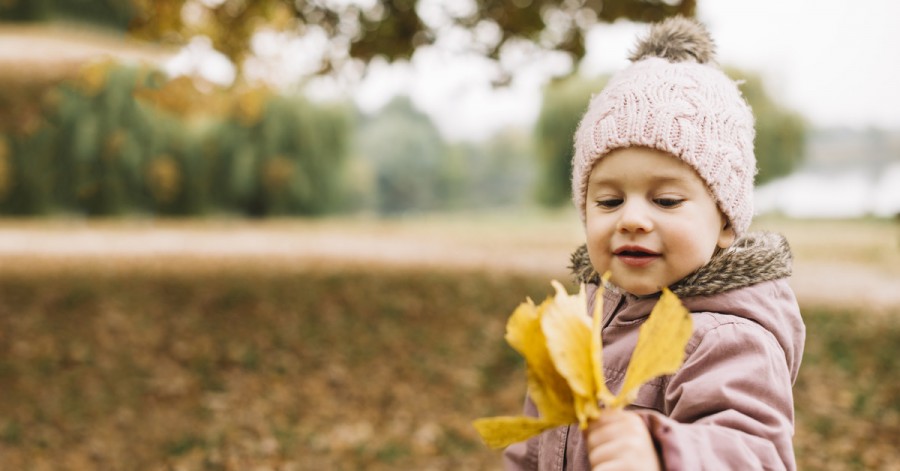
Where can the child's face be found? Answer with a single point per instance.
(650, 219)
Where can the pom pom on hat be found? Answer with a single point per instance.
(675, 99)
(677, 40)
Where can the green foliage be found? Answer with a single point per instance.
(288, 160)
(27, 162)
(564, 104)
(111, 13)
(25, 10)
(121, 140)
(498, 172)
(780, 143)
(410, 168)
(407, 156)
(99, 137)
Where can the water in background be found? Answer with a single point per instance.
(847, 174)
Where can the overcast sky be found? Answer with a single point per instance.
(836, 61)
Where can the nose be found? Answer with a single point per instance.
(634, 217)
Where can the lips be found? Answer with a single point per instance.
(635, 255)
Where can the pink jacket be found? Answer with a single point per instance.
(730, 405)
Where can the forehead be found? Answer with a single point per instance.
(644, 165)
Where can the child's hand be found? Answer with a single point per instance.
(619, 440)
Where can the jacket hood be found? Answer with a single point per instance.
(754, 258)
(748, 280)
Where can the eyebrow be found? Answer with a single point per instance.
(656, 179)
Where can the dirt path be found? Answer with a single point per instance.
(838, 284)
(54, 43)
(298, 245)
(531, 250)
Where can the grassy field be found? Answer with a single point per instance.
(175, 362)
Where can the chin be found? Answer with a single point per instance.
(643, 292)
(636, 289)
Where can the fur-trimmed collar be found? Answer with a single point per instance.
(754, 258)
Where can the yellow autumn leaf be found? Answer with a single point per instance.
(500, 432)
(549, 391)
(568, 334)
(602, 392)
(568, 331)
(523, 333)
(563, 351)
(660, 346)
(554, 402)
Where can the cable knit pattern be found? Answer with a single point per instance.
(688, 109)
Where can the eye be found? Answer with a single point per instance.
(609, 203)
(668, 202)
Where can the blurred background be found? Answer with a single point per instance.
(286, 235)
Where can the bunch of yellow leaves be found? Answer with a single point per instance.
(562, 348)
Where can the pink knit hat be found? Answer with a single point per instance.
(675, 99)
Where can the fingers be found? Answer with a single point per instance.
(612, 423)
(604, 457)
(619, 440)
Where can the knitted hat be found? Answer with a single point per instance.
(675, 99)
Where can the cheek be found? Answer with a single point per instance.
(598, 236)
(597, 231)
(694, 243)
(600, 259)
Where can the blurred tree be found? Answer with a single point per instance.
(101, 140)
(498, 172)
(120, 139)
(282, 155)
(111, 13)
(780, 143)
(408, 160)
(563, 105)
(357, 29)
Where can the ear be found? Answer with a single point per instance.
(726, 236)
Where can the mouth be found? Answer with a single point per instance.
(635, 256)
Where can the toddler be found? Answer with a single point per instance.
(662, 177)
